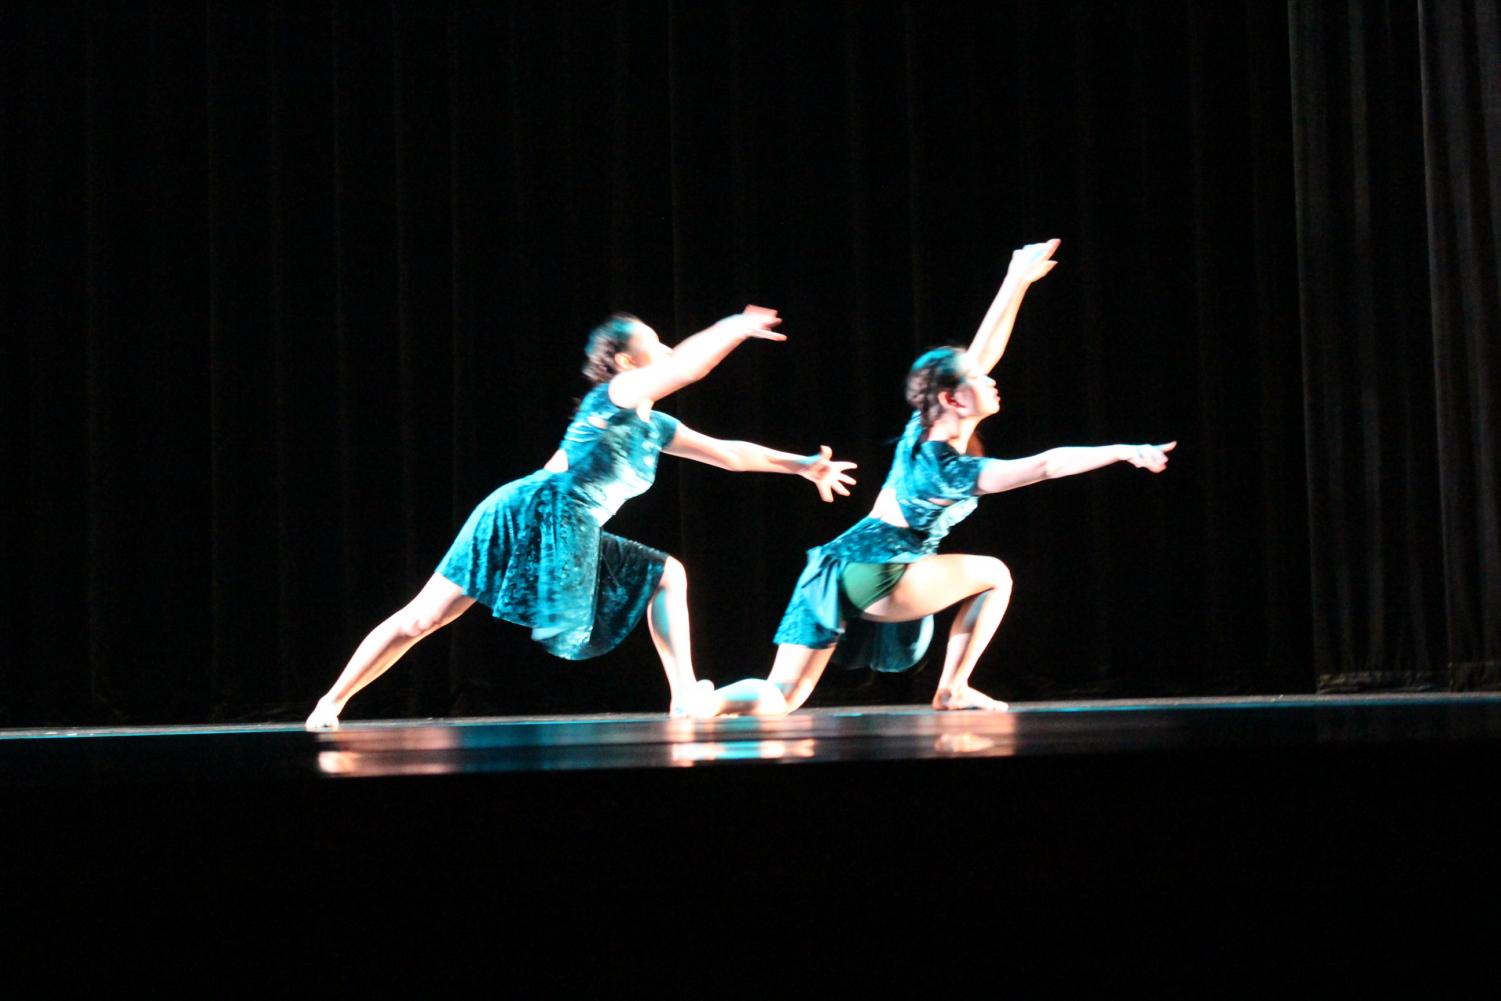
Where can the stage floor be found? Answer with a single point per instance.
(68, 756)
(1257, 829)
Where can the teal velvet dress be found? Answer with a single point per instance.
(935, 488)
(535, 552)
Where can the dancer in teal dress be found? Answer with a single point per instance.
(867, 598)
(534, 551)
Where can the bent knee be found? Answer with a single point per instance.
(674, 575)
(995, 574)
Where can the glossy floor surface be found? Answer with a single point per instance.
(66, 756)
(1175, 839)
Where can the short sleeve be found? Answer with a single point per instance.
(666, 425)
(961, 473)
(944, 474)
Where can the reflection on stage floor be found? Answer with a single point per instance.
(647, 741)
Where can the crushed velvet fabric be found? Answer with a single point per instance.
(935, 488)
(535, 554)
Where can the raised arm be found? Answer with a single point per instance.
(1028, 265)
(829, 476)
(1008, 474)
(692, 359)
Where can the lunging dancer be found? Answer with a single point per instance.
(872, 592)
(533, 551)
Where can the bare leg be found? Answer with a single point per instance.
(438, 603)
(974, 625)
(983, 584)
(793, 675)
(796, 670)
(667, 617)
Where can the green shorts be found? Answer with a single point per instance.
(867, 583)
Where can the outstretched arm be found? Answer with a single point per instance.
(1008, 474)
(1028, 265)
(693, 359)
(829, 476)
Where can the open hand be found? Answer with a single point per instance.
(756, 321)
(827, 475)
(1153, 457)
(1033, 261)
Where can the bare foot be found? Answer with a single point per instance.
(325, 716)
(751, 697)
(968, 698)
(699, 702)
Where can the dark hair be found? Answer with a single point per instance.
(937, 371)
(605, 342)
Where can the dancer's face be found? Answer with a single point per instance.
(977, 395)
(646, 348)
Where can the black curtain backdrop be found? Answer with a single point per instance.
(1397, 153)
(1461, 64)
(287, 290)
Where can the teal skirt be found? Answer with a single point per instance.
(533, 555)
(822, 613)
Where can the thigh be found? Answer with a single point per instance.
(932, 584)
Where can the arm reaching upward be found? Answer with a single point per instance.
(693, 359)
(1028, 265)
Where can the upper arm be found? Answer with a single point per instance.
(629, 389)
(997, 475)
(687, 443)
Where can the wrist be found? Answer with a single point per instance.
(733, 328)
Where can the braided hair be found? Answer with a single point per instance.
(605, 342)
(938, 371)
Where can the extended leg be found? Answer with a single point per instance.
(438, 603)
(793, 675)
(667, 617)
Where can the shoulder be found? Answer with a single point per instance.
(598, 398)
(665, 424)
(948, 471)
(596, 407)
(593, 414)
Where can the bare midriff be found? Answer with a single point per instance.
(888, 510)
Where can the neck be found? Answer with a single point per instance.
(955, 430)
